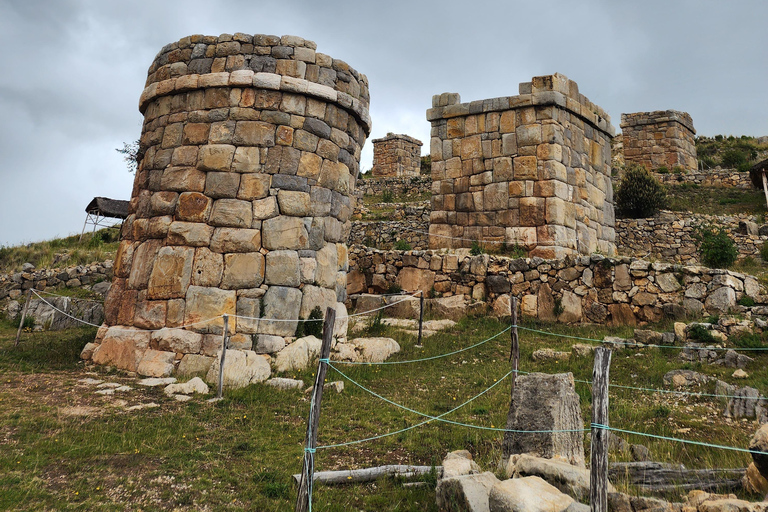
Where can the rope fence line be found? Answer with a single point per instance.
(62, 312)
(67, 296)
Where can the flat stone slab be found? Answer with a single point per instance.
(89, 381)
(138, 407)
(153, 382)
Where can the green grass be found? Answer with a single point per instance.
(240, 453)
(61, 252)
(728, 201)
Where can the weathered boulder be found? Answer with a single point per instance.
(721, 300)
(241, 367)
(375, 350)
(527, 494)
(298, 354)
(754, 482)
(156, 363)
(195, 385)
(452, 307)
(569, 479)
(545, 402)
(685, 378)
(465, 493)
(759, 443)
(459, 463)
(194, 364)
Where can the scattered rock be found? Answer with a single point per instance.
(569, 479)
(754, 482)
(547, 354)
(195, 385)
(182, 398)
(685, 378)
(746, 402)
(241, 367)
(138, 407)
(89, 381)
(109, 385)
(285, 384)
(582, 350)
(155, 382)
(466, 493)
(648, 337)
(459, 463)
(759, 443)
(298, 354)
(640, 453)
(740, 374)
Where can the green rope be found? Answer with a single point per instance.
(686, 441)
(426, 358)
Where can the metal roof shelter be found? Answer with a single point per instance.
(102, 208)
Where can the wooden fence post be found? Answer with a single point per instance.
(308, 470)
(224, 343)
(421, 316)
(514, 354)
(598, 475)
(23, 317)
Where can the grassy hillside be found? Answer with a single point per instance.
(729, 152)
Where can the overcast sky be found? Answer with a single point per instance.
(74, 70)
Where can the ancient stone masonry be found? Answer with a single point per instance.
(242, 199)
(532, 170)
(396, 156)
(725, 178)
(409, 185)
(660, 138)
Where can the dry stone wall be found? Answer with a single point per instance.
(405, 186)
(532, 169)
(15, 284)
(725, 178)
(396, 156)
(594, 289)
(242, 199)
(659, 138)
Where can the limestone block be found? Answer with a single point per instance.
(529, 306)
(207, 268)
(235, 240)
(240, 341)
(247, 160)
(206, 303)
(569, 479)
(572, 311)
(294, 203)
(720, 301)
(298, 354)
(232, 213)
(222, 184)
(243, 270)
(308, 270)
(465, 492)
(156, 363)
(122, 347)
(191, 234)
(143, 262)
(265, 208)
(327, 265)
(171, 273)
(241, 368)
(177, 340)
(193, 207)
(268, 344)
(282, 303)
(195, 385)
(316, 296)
(251, 308)
(375, 350)
(215, 157)
(193, 365)
(254, 186)
(527, 494)
(182, 179)
(412, 279)
(282, 268)
(284, 232)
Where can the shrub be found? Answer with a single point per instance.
(402, 245)
(476, 249)
(764, 251)
(426, 165)
(716, 248)
(639, 194)
(387, 196)
(663, 170)
(700, 333)
(732, 158)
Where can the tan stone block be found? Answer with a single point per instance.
(254, 186)
(471, 147)
(222, 184)
(157, 227)
(184, 156)
(265, 208)
(294, 203)
(227, 240)
(206, 303)
(532, 211)
(231, 213)
(516, 188)
(525, 168)
(246, 160)
(502, 169)
(175, 313)
(412, 279)
(553, 170)
(496, 196)
(282, 268)
(143, 261)
(529, 306)
(243, 270)
(528, 135)
(555, 211)
(310, 165)
(122, 347)
(222, 132)
(335, 176)
(215, 157)
(193, 207)
(124, 257)
(172, 135)
(550, 152)
(171, 273)
(150, 314)
(182, 179)
(254, 133)
(284, 136)
(163, 203)
(284, 232)
(455, 127)
(207, 268)
(194, 234)
(507, 122)
(195, 133)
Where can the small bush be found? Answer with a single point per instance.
(387, 196)
(395, 288)
(700, 333)
(663, 170)
(639, 193)
(732, 158)
(749, 340)
(402, 245)
(476, 249)
(716, 248)
(746, 301)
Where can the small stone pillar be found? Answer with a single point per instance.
(660, 138)
(242, 198)
(396, 156)
(532, 170)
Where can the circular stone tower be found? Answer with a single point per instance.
(249, 154)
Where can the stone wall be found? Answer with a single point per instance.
(532, 170)
(405, 186)
(408, 222)
(396, 156)
(616, 291)
(725, 178)
(659, 138)
(669, 236)
(241, 202)
(14, 285)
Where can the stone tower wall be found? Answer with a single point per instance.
(396, 156)
(242, 199)
(660, 138)
(532, 169)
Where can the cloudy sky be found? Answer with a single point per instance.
(74, 70)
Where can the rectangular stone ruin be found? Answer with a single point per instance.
(660, 138)
(532, 170)
(396, 156)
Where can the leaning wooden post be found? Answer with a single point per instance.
(514, 353)
(224, 340)
(598, 476)
(23, 317)
(308, 470)
(421, 315)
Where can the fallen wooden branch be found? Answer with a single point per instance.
(660, 477)
(371, 474)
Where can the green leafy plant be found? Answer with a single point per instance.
(639, 193)
(376, 327)
(746, 301)
(663, 170)
(476, 249)
(394, 288)
(387, 196)
(700, 333)
(402, 245)
(558, 309)
(716, 248)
